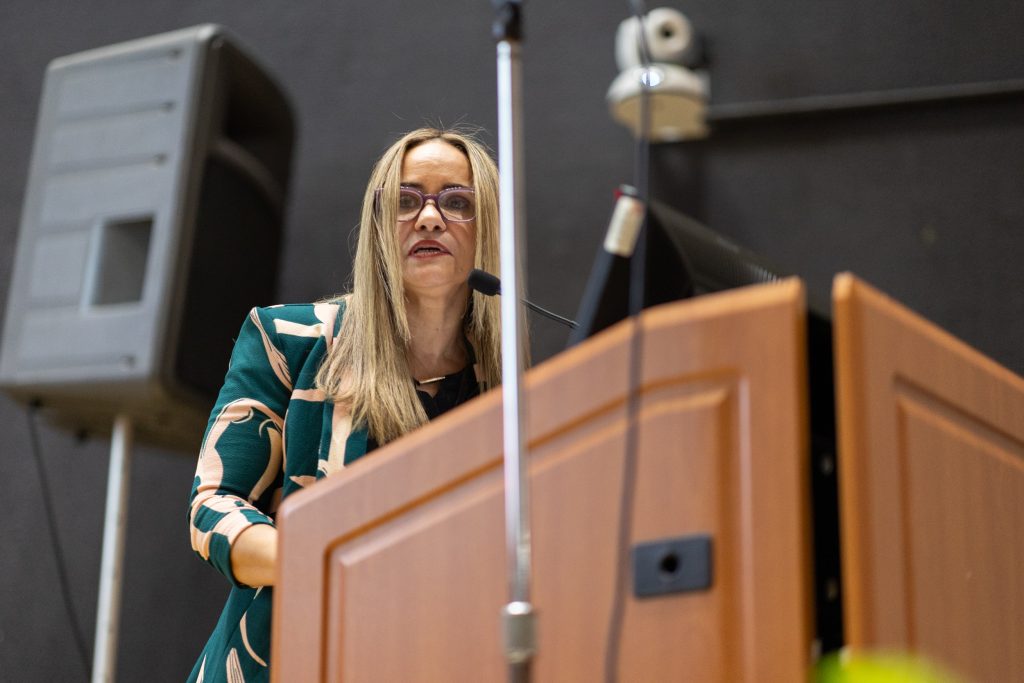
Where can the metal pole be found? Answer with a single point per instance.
(518, 619)
(108, 609)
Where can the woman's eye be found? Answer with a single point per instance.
(456, 202)
(408, 201)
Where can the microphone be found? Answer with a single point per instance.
(489, 285)
(607, 296)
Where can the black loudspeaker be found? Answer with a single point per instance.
(152, 223)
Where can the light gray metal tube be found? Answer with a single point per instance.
(518, 614)
(108, 608)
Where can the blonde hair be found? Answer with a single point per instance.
(368, 367)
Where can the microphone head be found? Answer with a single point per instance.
(484, 282)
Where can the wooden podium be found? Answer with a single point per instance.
(394, 570)
(931, 473)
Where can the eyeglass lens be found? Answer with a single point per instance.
(455, 204)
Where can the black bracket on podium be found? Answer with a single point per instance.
(673, 565)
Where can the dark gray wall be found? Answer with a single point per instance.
(925, 202)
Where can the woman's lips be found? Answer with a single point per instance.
(428, 249)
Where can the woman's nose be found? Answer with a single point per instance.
(430, 217)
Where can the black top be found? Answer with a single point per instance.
(453, 390)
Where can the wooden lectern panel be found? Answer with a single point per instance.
(395, 569)
(931, 453)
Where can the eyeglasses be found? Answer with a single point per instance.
(455, 203)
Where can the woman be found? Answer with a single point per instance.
(312, 388)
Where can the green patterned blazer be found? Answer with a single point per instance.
(270, 434)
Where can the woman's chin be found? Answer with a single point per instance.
(435, 284)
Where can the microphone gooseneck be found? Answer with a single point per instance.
(489, 285)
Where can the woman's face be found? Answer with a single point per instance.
(437, 254)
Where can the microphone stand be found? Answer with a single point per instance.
(518, 619)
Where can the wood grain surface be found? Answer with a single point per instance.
(395, 570)
(931, 453)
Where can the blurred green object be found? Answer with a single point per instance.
(847, 667)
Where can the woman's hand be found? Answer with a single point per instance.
(254, 554)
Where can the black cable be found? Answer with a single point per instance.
(58, 553)
(637, 272)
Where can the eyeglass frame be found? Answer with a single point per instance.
(424, 197)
